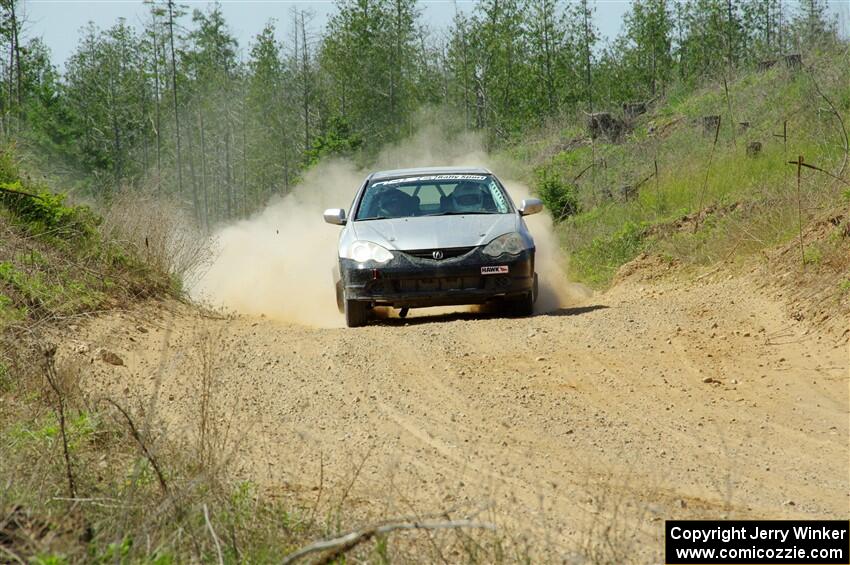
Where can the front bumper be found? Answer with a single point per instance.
(409, 281)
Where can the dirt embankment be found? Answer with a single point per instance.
(659, 399)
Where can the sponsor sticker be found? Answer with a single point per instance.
(428, 178)
(494, 270)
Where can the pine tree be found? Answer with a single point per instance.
(649, 28)
(546, 37)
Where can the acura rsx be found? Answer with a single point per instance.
(433, 237)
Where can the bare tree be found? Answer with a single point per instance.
(171, 16)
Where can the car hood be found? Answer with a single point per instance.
(435, 232)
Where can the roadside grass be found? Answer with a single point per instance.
(90, 479)
(56, 260)
(119, 510)
(133, 489)
(624, 208)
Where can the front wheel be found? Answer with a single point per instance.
(356, 313)
(340, 297)
(520, 306)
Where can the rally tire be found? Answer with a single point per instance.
(340, 297)
(356, 313)
(520, 306)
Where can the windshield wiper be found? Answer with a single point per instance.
(373, 218)
(460, 213)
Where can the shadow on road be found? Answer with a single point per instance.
(578, 311)
(422, 317)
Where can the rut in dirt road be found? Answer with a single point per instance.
(650, 402)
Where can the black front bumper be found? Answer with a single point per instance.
(408, 281)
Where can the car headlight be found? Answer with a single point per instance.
(363, 251)
(510, 243)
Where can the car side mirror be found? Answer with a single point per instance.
(530, 206)
(335, 216)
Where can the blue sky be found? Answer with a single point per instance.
(59, 21)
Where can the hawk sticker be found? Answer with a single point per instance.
(494, 270)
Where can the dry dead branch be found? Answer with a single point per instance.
(343, 544)
(53, 380)
(142, 445)
(214, 537)
(837, 115)
(707, 170)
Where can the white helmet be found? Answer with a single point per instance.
(467, 197)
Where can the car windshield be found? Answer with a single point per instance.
(433, 195)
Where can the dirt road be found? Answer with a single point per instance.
(655, 400)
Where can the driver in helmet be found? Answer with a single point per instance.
(467, 197)
(393, 203)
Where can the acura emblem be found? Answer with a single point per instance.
(437, 255)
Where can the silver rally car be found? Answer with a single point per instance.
(433, 237)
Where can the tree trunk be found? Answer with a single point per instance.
(245, 206)
(228, 179)
(3, 117)
(174, 91)
(193, 179)
(282, 110)
(12, 50)
(587, 57)
(228, 140)
(15, 26)
(116, 131)
(710, 124)
(767, 23)
(466, 101)
(204, 172)
(730, 34)
(158, 105)
(547, 49)
(306, 85)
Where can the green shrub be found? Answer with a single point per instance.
(339, 139)
(597, 263)
(46, 211)
(558, 196)
(5, 378)
(812, 256)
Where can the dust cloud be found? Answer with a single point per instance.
(279, 262)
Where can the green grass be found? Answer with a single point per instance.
(9, 312)
(65, 295)
(5, 378)
(692, 176)
(812, 256)
(597, 262)
(54, 260)
(44, 431)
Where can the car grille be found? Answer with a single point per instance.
(449, 253)
(425, 285)
(444, 283)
